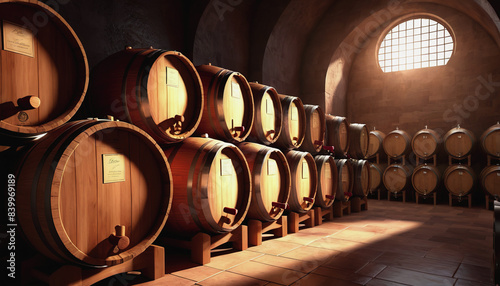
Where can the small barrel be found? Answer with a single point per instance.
(358, 140)
(315, 129)
(85, 180)
(426, 179)
(490, 141)
(425, 143)
(458, 142)
(376, 175)
(376, 139)
(397, 143)
(45, 72)
(294, 121)
(157, 90)
(327, 181)
(229, 108)
(346, 179)
(212, 187)
(304, 181)
(361, 178)
(397, 177)
(268, 115)
(490, 180)
(459, 180)
(271, 181)
(337, 135)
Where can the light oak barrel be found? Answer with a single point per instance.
(490, 141)
(358, 140)
(327, 181)
(304, 180)
(43, 84)
(159, 91)
(459, 180)
(458, 142)
(83, 180)
(271, 181)
(397, 177)
(268, 116)
(294, 122)
(490, 180)
(337, 135)
(229, 106)
(425, 143)
(397, 144)
(376, 175)
(346, 178)
(315, 129)
(361, 178)
(426, 179)
(376, 139)
(212, 187)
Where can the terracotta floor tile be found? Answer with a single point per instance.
(380, 282)
(410, 277)
(197, 273)
(345, 263)
(231, 279)
(274, 247)
(302, 238)
(267, 272)
(445, 254)
(473, 273)
(313, 254)
(371, 269)
(337, 244)
(319, 280)
(420, 264)
(461, 282)
(343, 275)
(230, 260)
(366, 253)
(288, 263)
(167, 280)
(358, 236)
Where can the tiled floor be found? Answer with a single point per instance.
(393, 243)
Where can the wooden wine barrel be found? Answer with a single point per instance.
(315, 129)
(294, 122)
(376, 175)
(425, 143)
(346, 178)
(459, 180)
(490, 180)
(229, 106)
(271, 181)
(358, 140)
(94, 192)
(426, 179)
(376, 139)
(45, 71)
(268, 115)
(490, 141)
(361, 178)
(157, 90)
(397, 143)
(397, 177)
(304, 181)
(458, 142)
(212, 187)
(327, 181)
(337, 135)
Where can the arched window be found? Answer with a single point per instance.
(414, 44)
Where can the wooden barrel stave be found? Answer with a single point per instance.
(294, 122)
(361, 178)
(327, 181)
(458, 142)
(304, 181)
(345, 181)
(268, 117)
(337, 135)
(315, 129)
(459, 180)
(376, 141)
(397, 143)
(358, 140)
(490, 141)
(425, 143)
(426, 179)
(376, 175)
(490, 180)
(397, 177)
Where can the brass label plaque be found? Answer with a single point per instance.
(172, 77)
(226, 167)
(235, 90)
(113, 168)
(305, 170)
(17, 39)
(272, 167)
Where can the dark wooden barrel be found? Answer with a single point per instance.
(268, 115)
(397, 143)
(426, 179)
(358, 140)
(376, 175)
(361, 178)
(157, 90)
(346, 178)
(458, 142)
(45, 71)
(490, 141)
(376, 139)
(327, 181)
(459, 180)
(304, 181)
(294, 122)
(425, 143)
(94, 192)
(229, 106)
(337, 135)
(212, 187)
(397, 177)
(315, 129)
(271, 181)
(490, 180)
